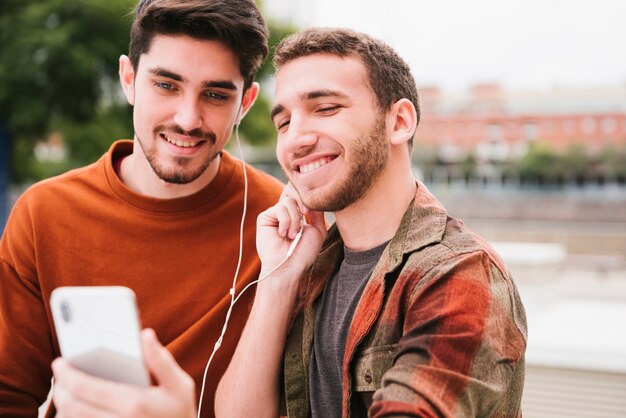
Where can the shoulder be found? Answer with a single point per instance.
(262, 187)
(62, 186)
(262, 179)
(463, 267)
(457, 245)
(47, 200)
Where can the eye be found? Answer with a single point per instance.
(328, 109)
(164, 86)
(282, 124)
(216, 96)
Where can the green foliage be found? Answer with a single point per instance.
(257, 127)
(87, 140)
(277, 32)
(539, 163)
(468, 165)
(574, 162)
(614, 158)
(56, 57)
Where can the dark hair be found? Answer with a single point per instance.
(237, 24)
(388, 74)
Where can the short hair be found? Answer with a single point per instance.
(238, 24)
(388, 74)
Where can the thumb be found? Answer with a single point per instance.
(163, 366)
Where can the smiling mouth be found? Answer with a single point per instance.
(179, 143)
(314, 165)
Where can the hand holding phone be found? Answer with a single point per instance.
(99, 332)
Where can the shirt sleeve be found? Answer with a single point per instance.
(25, 341)
(462, 349)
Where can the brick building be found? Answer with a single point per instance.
(498, 125)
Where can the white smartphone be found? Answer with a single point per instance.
(99, 331)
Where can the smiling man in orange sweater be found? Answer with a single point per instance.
(160, 214)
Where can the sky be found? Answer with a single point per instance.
(529, 44)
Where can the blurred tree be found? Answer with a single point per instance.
(58, 73)
(257, 127)
(539, 163)
(614, 159)
(575, 164)
(468, 167)
(59, 61)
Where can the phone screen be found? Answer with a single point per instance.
(99, 331)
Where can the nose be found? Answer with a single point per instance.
(188, 114)
(300, 135)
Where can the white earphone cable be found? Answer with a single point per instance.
(232, 289)
(234, 299)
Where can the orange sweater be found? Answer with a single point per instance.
(86, 227)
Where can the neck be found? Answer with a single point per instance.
(138, 175)
(375, 218)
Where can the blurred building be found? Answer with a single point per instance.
(497, 125)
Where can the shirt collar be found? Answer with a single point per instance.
(423, 224)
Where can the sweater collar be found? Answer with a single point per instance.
(208, 194)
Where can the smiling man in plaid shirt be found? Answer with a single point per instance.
(397, 310)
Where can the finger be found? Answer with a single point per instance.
(69, 407)
(283, 217)
(291, 218)
(163, 366)
(295, 217)
(89, 390)
(288, 191)
(291, 192)
(267, 218)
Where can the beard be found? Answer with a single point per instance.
(181, 173)
(369, 155)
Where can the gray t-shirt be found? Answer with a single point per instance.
(333, 315)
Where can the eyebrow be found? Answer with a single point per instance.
(315, 94)
(165, 73)
(311, 95)
(223, 84)
(276, 110)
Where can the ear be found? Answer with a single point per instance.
(402, 121)
(127, 79)
(248, 99)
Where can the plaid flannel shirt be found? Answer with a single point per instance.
(440, 329)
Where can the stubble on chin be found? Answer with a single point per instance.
(180, 173)
(369, 156)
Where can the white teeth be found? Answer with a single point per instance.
(307, 168)
(178, 142)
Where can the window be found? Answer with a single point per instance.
(608, 125)
(531, 131)
(588, 125)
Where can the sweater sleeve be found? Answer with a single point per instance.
(25, 341)
(462, 346)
